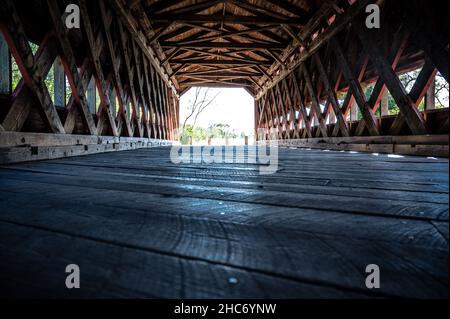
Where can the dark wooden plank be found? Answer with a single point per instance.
(112, 270)
(250, 248)
(5, 81)
(231, 218)
(335, 224)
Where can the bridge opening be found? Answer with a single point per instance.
(95, 96)
(217, 116)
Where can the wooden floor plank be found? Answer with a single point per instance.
(278, 185)
(350, 204)
(112, 271)
(312, 227)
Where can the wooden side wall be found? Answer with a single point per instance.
(134, 98)
(322, 95)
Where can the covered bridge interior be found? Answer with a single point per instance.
(357, 184)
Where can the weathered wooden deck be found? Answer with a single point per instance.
(140, 226)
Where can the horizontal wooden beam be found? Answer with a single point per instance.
(419, 145)
(23, 147)
(218, 74)
(217, 62)
(221, 45)
(235, 19)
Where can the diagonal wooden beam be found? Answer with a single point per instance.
(349, 98)
(70, 66)
(314, 101)
(407, 107)
(338, 25)
(156, 99)
(435, 49)
(141, 40)
(332, 96)
(281, 106)
(274, 113)
(111, 49)
(151, 102)
(23, 96)
(367, 113)
(418, 91)
(146, 106)
(130, 76)
(86, 73)
(289, 7)
(95, 51)
(32, 72)
(397, 48)
(291, 107)
(303, 112)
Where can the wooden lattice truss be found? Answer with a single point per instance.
(307, 62)
(302, 102)
(110, 53)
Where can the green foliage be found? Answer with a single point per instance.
(221, 131)
(16, 75)
(201, 134)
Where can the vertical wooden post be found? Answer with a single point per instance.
(385, 104)
(332, 116)
(91, 96)
(256, 121)
(60, 83)
(430, 97)
(354, 111)
(5, 74)
(113, 103)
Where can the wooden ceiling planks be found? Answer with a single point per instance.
(220, 37)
